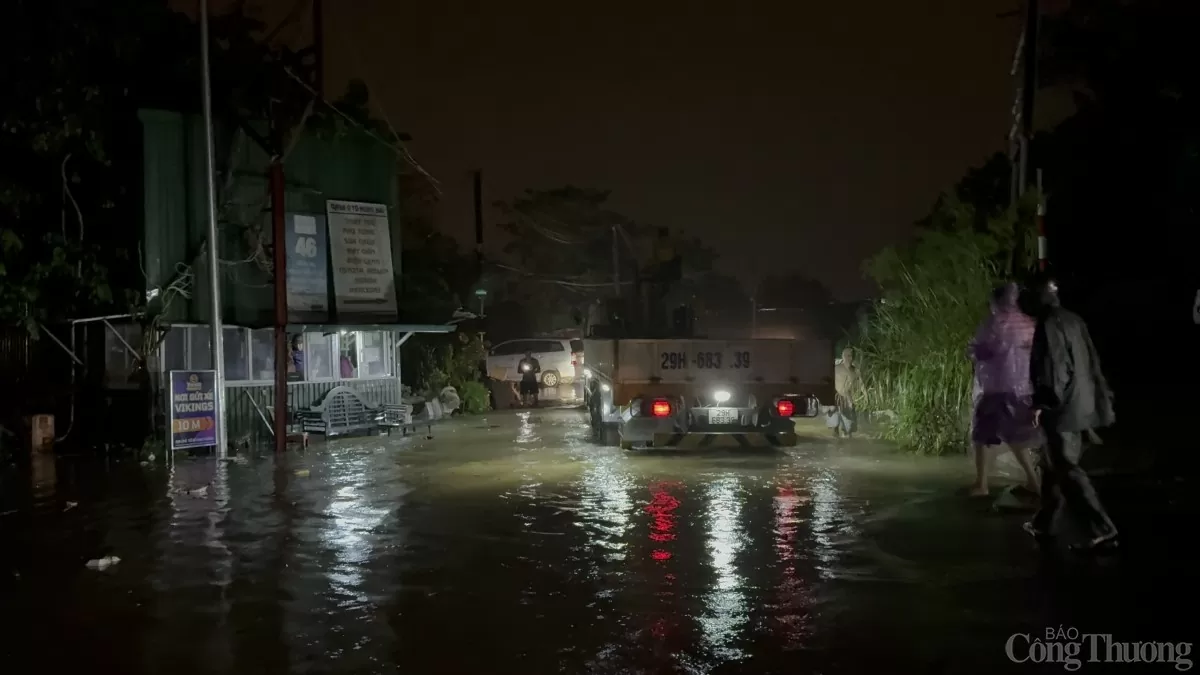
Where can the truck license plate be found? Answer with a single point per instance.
(723, 416)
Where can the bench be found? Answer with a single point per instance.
(341, 412)
(395, 416)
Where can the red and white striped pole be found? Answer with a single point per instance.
(1041, 225)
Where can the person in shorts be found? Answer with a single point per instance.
(1003, 411)
(530, 369)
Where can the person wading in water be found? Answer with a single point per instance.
(1070, 396)
(845, 385)
(1003, 406)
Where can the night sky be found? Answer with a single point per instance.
(792, 136)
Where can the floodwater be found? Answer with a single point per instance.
(512, 543)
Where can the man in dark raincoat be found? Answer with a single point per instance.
(1070, 396)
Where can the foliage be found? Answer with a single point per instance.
(911, 353)
(63, 184)
(475, 397)
(69, 135)
(433, 362)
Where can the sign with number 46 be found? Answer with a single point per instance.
(306, 247)
(307, 268)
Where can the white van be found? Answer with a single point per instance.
(561, 360)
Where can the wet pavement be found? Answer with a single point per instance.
(513, 543)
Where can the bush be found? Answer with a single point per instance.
(475, 398)
(435, 362)
(912, 351)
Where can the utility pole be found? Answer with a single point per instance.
(753, 318)
(1041, 225)
(479, 219)
(616, 264)
(278, 187)
(214, 262)
(318, 19)
(1029, 61)
(279, 232)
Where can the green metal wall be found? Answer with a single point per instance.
(354, 167)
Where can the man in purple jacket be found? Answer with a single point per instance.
(1003, 405)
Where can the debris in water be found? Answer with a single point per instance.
(103, 563)
(150, 457)
(303, 473)
(237, 459)
(70, 505)
(8, 512)
(201, 491)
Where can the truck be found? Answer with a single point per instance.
(705, 393)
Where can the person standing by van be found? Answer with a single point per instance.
(530, 370)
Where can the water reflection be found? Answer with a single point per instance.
(376, 555)
(222, 563)
(726, 607)
(351, 518)
(666, 616)
(662, 518)
(828, 514)
(525, 430)
(606, 507)
(790, 610)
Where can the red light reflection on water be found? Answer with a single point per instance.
(791, 607)
(662, 513)
(663, 618)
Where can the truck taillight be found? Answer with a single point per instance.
(785, 408)
(660, 408)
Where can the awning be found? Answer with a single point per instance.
(388, 327)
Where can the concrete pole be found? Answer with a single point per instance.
(1041, 225)
(214, 262)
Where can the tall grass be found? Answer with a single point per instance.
(911, 353)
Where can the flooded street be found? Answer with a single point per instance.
(512, 543)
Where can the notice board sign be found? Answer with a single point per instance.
(360, 247)
(307, 268)
(193, 409)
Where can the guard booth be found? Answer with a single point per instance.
(342, 272)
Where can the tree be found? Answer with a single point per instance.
(79, 71)
(562, 248)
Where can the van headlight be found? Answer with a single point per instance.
(721, 396)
